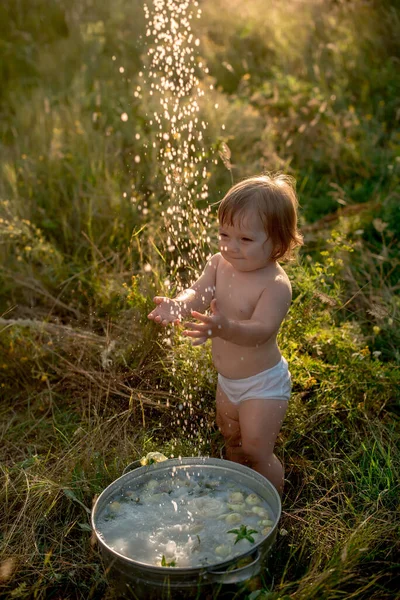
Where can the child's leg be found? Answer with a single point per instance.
(260, 422)
(228, 423)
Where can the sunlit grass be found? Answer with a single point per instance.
(88, 384)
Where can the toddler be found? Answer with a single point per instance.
(249, 295)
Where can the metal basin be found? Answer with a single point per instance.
(137, 580)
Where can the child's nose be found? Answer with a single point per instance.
(233, 245)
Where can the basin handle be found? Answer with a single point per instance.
(236, 575)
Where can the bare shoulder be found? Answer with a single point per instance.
(214, 261)
(278, 285)
(282, 280)
(210, 270)
(275, 298)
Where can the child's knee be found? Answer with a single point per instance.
(256, 450)
(232, 438)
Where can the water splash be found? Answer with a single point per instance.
(172, 83)
(172, 78)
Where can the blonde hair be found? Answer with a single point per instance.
(274, 198)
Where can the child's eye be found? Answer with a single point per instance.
(246, 239)
(222, 235)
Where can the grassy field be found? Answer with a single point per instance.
(88, 384)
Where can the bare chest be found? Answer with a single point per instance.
(237, 294)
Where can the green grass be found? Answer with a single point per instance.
(88, 384)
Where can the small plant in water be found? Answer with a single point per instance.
(164, 562)
(243, 534)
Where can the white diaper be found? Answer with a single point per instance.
(274, 383)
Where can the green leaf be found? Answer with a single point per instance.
(164, 562)
(70, 494)
(243, 534)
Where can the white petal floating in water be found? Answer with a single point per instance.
(234, 518)
(236, 497)
(253, 499)
(224, 550)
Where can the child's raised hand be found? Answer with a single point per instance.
(167, 311)
(207, 326)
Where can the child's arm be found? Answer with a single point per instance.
(266, 319)
(197, 297)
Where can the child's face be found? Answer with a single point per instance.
(245, 244)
